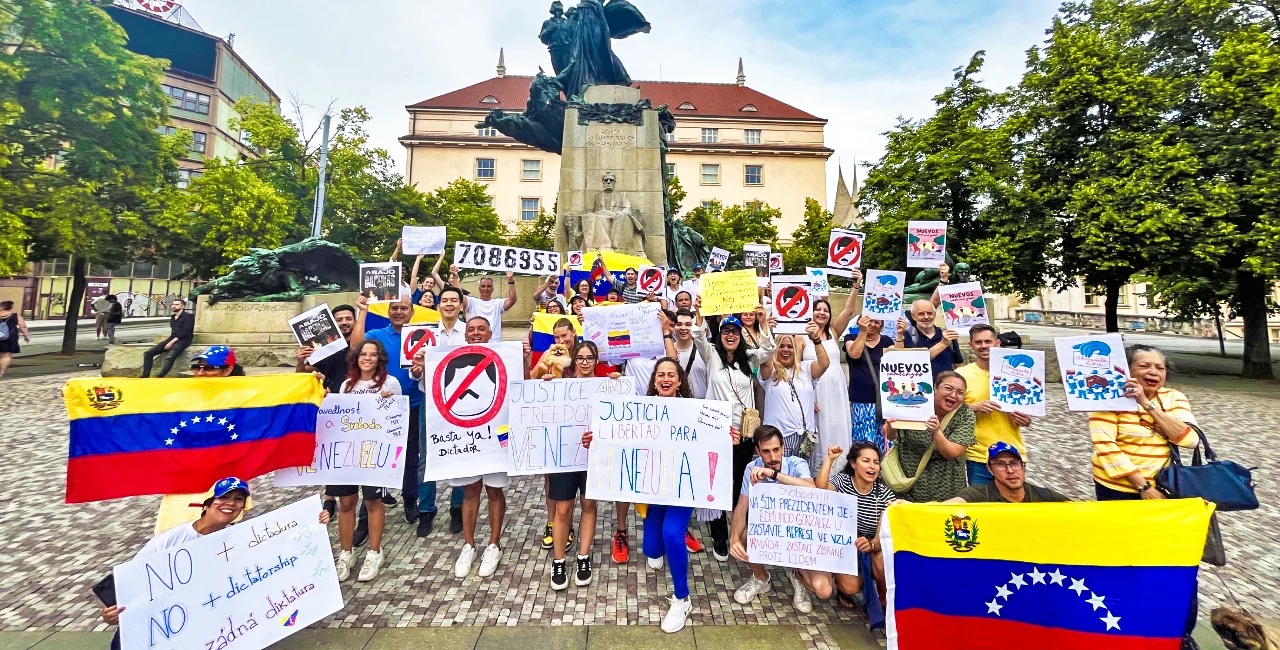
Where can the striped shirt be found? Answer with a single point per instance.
(870, 505)
(1127, 442)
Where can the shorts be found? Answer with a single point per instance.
(498, 480)
(371, 493)
(566, 486)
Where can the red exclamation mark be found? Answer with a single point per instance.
(712, 457)
(393, 460)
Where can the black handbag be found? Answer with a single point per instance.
(1227, 484)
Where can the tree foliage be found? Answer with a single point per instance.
(809, 241)
(538, 234)
(729, 228)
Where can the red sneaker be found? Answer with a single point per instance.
(692, 543)
(620, 551)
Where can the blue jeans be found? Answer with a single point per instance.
(427, 489)
(664, 529)
(978, 473)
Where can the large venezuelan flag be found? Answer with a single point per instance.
(132, 437)
(544, 332)
(1056, 576)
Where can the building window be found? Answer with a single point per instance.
(487, 202)
(1091, 296)
(749, 109)
(686, 106)
(751, 136)
(671, 170)
(710, 174)
(706, 205)
(1123, 299)
(529, 209)
(530, 170)
(753, 175)
(487, 132)
(167, 130)
(185, 176)
(489, 99)
(711, 135)
(669, 135)
(198, 141)
(187, 100)
(485, 169)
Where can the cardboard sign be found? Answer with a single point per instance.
(661, 450)
(844, 250)
(963, 306)
(718, 260)
(821, 286)
(492, 257)
(906, 385)
(882, 297)
(756, 256)
(360, 440)
(926, 244)
(729, 292)
(792, 303)
(803, 528)
(1094, 371)
(1017, 380)
(650, 279)
(423, 240)
(574, 259)
(548, 419)
(380, 282)
(624, 332)
(465, 389)
(415, 339)
(775, 263)
(317, 328)
(251, 584)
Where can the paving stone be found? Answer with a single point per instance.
(344, 639)
(425, 638)
(65, 640)
(748, 637)
(22, 640)
(649, 637)
(571, 637)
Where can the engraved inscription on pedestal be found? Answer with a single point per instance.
(611, 138)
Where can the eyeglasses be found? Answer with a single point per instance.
(584, 359)
(1011, 465)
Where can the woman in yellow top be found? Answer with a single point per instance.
(1131, 447)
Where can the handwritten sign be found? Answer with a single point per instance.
(661, 450)
(882, 298)
(624, 332)
(756, 256)
(963, 305)
(465, 389)
(246, 586)
(492, 257)
(775, 263)
(380, 282)
(718, 260)
(360, 440)
(650, 279)
(821, 286)
(729, 292)
(316, 327)
(415, 339)
(792, 303)
(803, 528)
(844, 251)
(926, 244)
(906, 385)
(1094, 371)
(548, 419)
(1017, 380)
(423, 240)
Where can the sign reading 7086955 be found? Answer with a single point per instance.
(491, 257)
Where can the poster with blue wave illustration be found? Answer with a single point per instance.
(882, 297)
(1094, 371)
(906, 385)
(1017, 380)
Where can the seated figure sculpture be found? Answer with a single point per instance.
(613, 225)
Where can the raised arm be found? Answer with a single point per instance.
(944, 277)
(841, 321)
(413, 274)
(435, 271)
(511, 292)
(855, 347)
(395, 254)
(362, 306)
(823, 481)
(822, 361)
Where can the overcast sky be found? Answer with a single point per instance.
(859, 64)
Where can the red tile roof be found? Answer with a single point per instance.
(708, 99)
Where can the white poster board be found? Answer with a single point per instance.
(775, 263)
(718, 260)
(1094, 371)
(1017, 380)
(803, 528)
(661, 450)
(500, 259)
(415, 339)
(821, 285)
(317, 328)
(624, 332)
(649, 279)
(573, 259)
(882, 297)
(792, 303)
(253, 583)
(465, 402)
(360, 440)
(423, 240)
(844, 251)
(906, 385)
(380, 281)
(548, 419)
(963, 305)
(926, 244)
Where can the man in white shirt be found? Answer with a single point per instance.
(697, 370)
(486, 305)
(452, 332)
(693, 286)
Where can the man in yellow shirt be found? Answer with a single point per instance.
(993, 425)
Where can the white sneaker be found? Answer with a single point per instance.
(343, 564)
(801, 599)
(750, 589)
(490, 560)
(462, 568)
(369, 569)
(654, 563)
(674, 620)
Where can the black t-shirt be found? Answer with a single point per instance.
(862, 384)
(334, 369)
(989, 493)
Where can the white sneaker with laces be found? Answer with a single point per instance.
(369, 569)
(750, 589)
(343, 564)
(462, 568)
(674, 620)
(801, 599)
(489, 561)
(654, 563)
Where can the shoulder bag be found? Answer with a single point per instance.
(810, 440)
(891, 471)
(1224, 483)
(750, 417)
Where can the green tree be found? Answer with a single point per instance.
(538, 234)
(729, 228)
(675, 194)
(809, 241)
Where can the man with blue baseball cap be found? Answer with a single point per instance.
(217, 361)
(1010, 484)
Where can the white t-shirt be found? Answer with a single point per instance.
(697, 372)
(365, 386)
(176, 536)
(669, 294)
(781, 408)
(692, 286)
(490, 309)
(640, 371)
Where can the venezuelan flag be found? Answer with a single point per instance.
(377, 316)
(544, 334)
(131, 437)
(1118, 575)
(622, 337)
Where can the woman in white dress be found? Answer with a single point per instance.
(789, 396)
(832, 389)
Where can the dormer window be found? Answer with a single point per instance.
(748, 109)
(687, 107)
(490, 99)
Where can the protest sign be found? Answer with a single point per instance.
(775, 263)
(423, 240)
(821, 286)
(650, 279)
(492, 257)
(1017, 380)
(465, 392)
(906, 385)
(803, 528)
(719, 258)
(548, 419)
(574, 259)
(792, 303)
(963, 305)
(360, 440)
(251, 584)
(882, 297)
(756, 256)
(729, 292)
(624, 332)
(844, 251)
(1094, 371)
(317, 328)
(380, 282)
(415, 339)
(661, 450)
(926, 244)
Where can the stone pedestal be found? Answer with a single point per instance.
(632, 152)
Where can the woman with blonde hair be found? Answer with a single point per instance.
(789, 388)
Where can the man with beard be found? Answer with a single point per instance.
(182, 328)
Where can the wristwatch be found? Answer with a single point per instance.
(1146, 487)
(1151, 407)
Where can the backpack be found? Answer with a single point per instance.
(1010, 340)
(4, 330)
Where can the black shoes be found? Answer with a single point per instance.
(389, 501)
(559, 575)
(362, 534)
(583, 578)
(425, 522)
(411, 514)
(331, 507)
(455, 520)
(720, 549)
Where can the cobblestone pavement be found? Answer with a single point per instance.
(50, 553)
